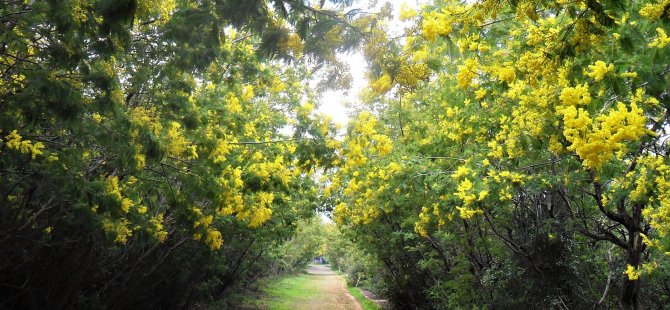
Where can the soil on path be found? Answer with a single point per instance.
(324, 289)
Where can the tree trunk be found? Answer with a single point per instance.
(631, 291)
(630, 294)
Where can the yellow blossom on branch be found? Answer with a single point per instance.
(382, 85)
(467, 73)
(14, 141)
(435, 24)
(577, 95)
(599, 70)
(661, 40)
(632, 273)
(654, 11)
(406, 13)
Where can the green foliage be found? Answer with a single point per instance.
(507, 153)
(527, 160)
(143, 161)
(308, 242)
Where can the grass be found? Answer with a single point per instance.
(286, 292)
(366, 303)
(318, 289)
(292, 289)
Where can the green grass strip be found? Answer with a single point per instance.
(366, 303)
(289, 292)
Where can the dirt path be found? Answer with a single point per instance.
(320, 288)
(334, 290)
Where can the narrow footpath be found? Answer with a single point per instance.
(320, 288)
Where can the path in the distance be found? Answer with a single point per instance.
(330, 291)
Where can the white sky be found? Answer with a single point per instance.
(333, 103)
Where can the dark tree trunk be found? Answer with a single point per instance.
(631, 288)
(630, 294)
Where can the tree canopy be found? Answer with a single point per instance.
(167, 153)
(514, 153)
(143, 156)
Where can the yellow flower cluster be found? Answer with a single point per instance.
(213, 238)
(382, 144)
(13, 82)
(422, 223)
(79, 10)
(514, 177)
(461, 171)
(156, 228)
(467, 72)
(113, 189)
(162, 8)
(14, 141)
(463, 192)
(233, 103)
(259, 212)
(341, 212)
(467, 213)
(406, 13)
(585, 38)
(410, 74)
(221, 151)
(145, 117)
(306, 109)
(266, 170)
(435, 24)
(472, 43)
(661, 40)
(175, 142)
(599, 69)
(659, 214)
(277, 85)
(654, 11)
(543, 33)
(117, 228)
(632, 273)
(420, 226)
(640, 190)
(595, 141)
(230, 196)
(382, 85)
(536, 65)
(293, 43)
(203, 220)
(505, 74)
(466, 192)
(571, 96)
(247, 93)
(526, 8)
(366, 141)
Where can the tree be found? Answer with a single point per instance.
(540, 128)
(139, 137)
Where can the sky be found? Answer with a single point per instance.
(333, 102)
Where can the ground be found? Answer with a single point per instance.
(319, 288)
